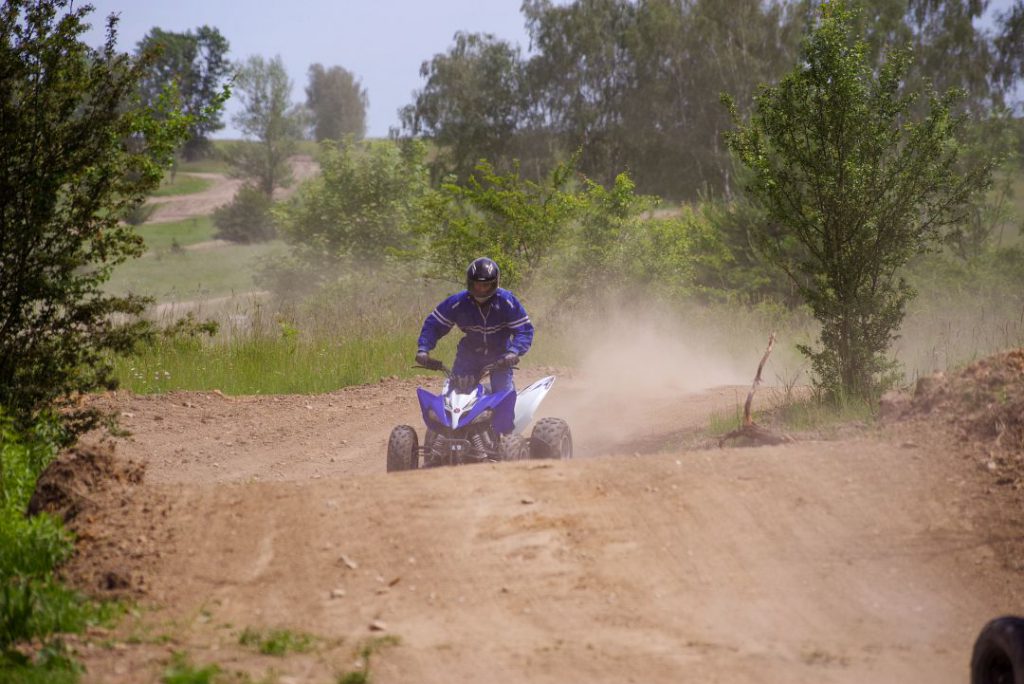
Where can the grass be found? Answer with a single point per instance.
(183, 184)
(164, 236)
(277, 642)
(794, 412)
(266, 365)
(256, 354)
(34, 606)
(176, 275)
(212, 165)
(182, 671)
(366, 652)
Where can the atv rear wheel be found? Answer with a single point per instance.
(551, 438)
(403, 449)
(514, 448)
(999, 653)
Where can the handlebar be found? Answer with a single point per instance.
(484, 372)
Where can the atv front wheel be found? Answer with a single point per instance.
(999, 653)
(514, 448)
(403, 449)
(551, 438)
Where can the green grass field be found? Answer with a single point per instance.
(212, 165)
(163, 236)
(183, 184)
(179, 275)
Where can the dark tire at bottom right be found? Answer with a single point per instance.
(998, 656)
(551, 438)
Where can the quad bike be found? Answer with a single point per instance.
(998, 656)
(467, 424)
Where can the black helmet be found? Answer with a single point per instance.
(482, 270)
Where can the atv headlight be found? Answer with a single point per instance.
(484, 417)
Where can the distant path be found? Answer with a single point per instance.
(222, 190)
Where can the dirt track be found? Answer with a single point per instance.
(850, 561)
(222, 191)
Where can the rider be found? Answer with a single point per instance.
(498, 330)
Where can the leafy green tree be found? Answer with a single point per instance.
(856, 187)
(359, 207)
(471, 106)
(267, 115)
(1009, 46)
(78, 152)
(583, 76)
(337, 103)
(515, 221)
(196, 64)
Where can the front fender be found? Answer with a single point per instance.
(432, 401)
(528, 400)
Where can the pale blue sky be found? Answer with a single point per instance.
(383, 42)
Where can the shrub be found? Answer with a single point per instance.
(247, 219)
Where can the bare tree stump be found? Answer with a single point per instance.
(749, 430)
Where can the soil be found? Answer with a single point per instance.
(876, 557)
(221, 191)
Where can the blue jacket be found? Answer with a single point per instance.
(502, 326)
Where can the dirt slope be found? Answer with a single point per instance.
(866, 560)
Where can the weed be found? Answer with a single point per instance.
(361, 675)
(182, 671)
(814, 413)
(52, 665)
(276, 642)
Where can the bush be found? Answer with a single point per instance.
(247, 219)
(87, 153)
(359, 208)
(33, 606)
(139, 213)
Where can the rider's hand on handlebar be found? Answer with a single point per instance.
(423, 359)
(509, 360)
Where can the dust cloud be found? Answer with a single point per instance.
(634, 366)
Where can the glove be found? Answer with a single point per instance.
(509, 360)
(423, 359)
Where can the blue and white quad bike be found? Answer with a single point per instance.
(468, 424)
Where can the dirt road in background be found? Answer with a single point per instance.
(862, 560)
(222, 191)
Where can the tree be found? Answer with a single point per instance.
(268, 116)
(471, 105)
(1010, 46)
(197, 64)
(337, 103)
(855, 187)
(583, 75)
(360, 205)
(78, 151)
(514, 220)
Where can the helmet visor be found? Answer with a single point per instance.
(483, 289)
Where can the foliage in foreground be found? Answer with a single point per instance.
(854, 189)
(76, 161)
(33, 605)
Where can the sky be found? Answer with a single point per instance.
(383, 42)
